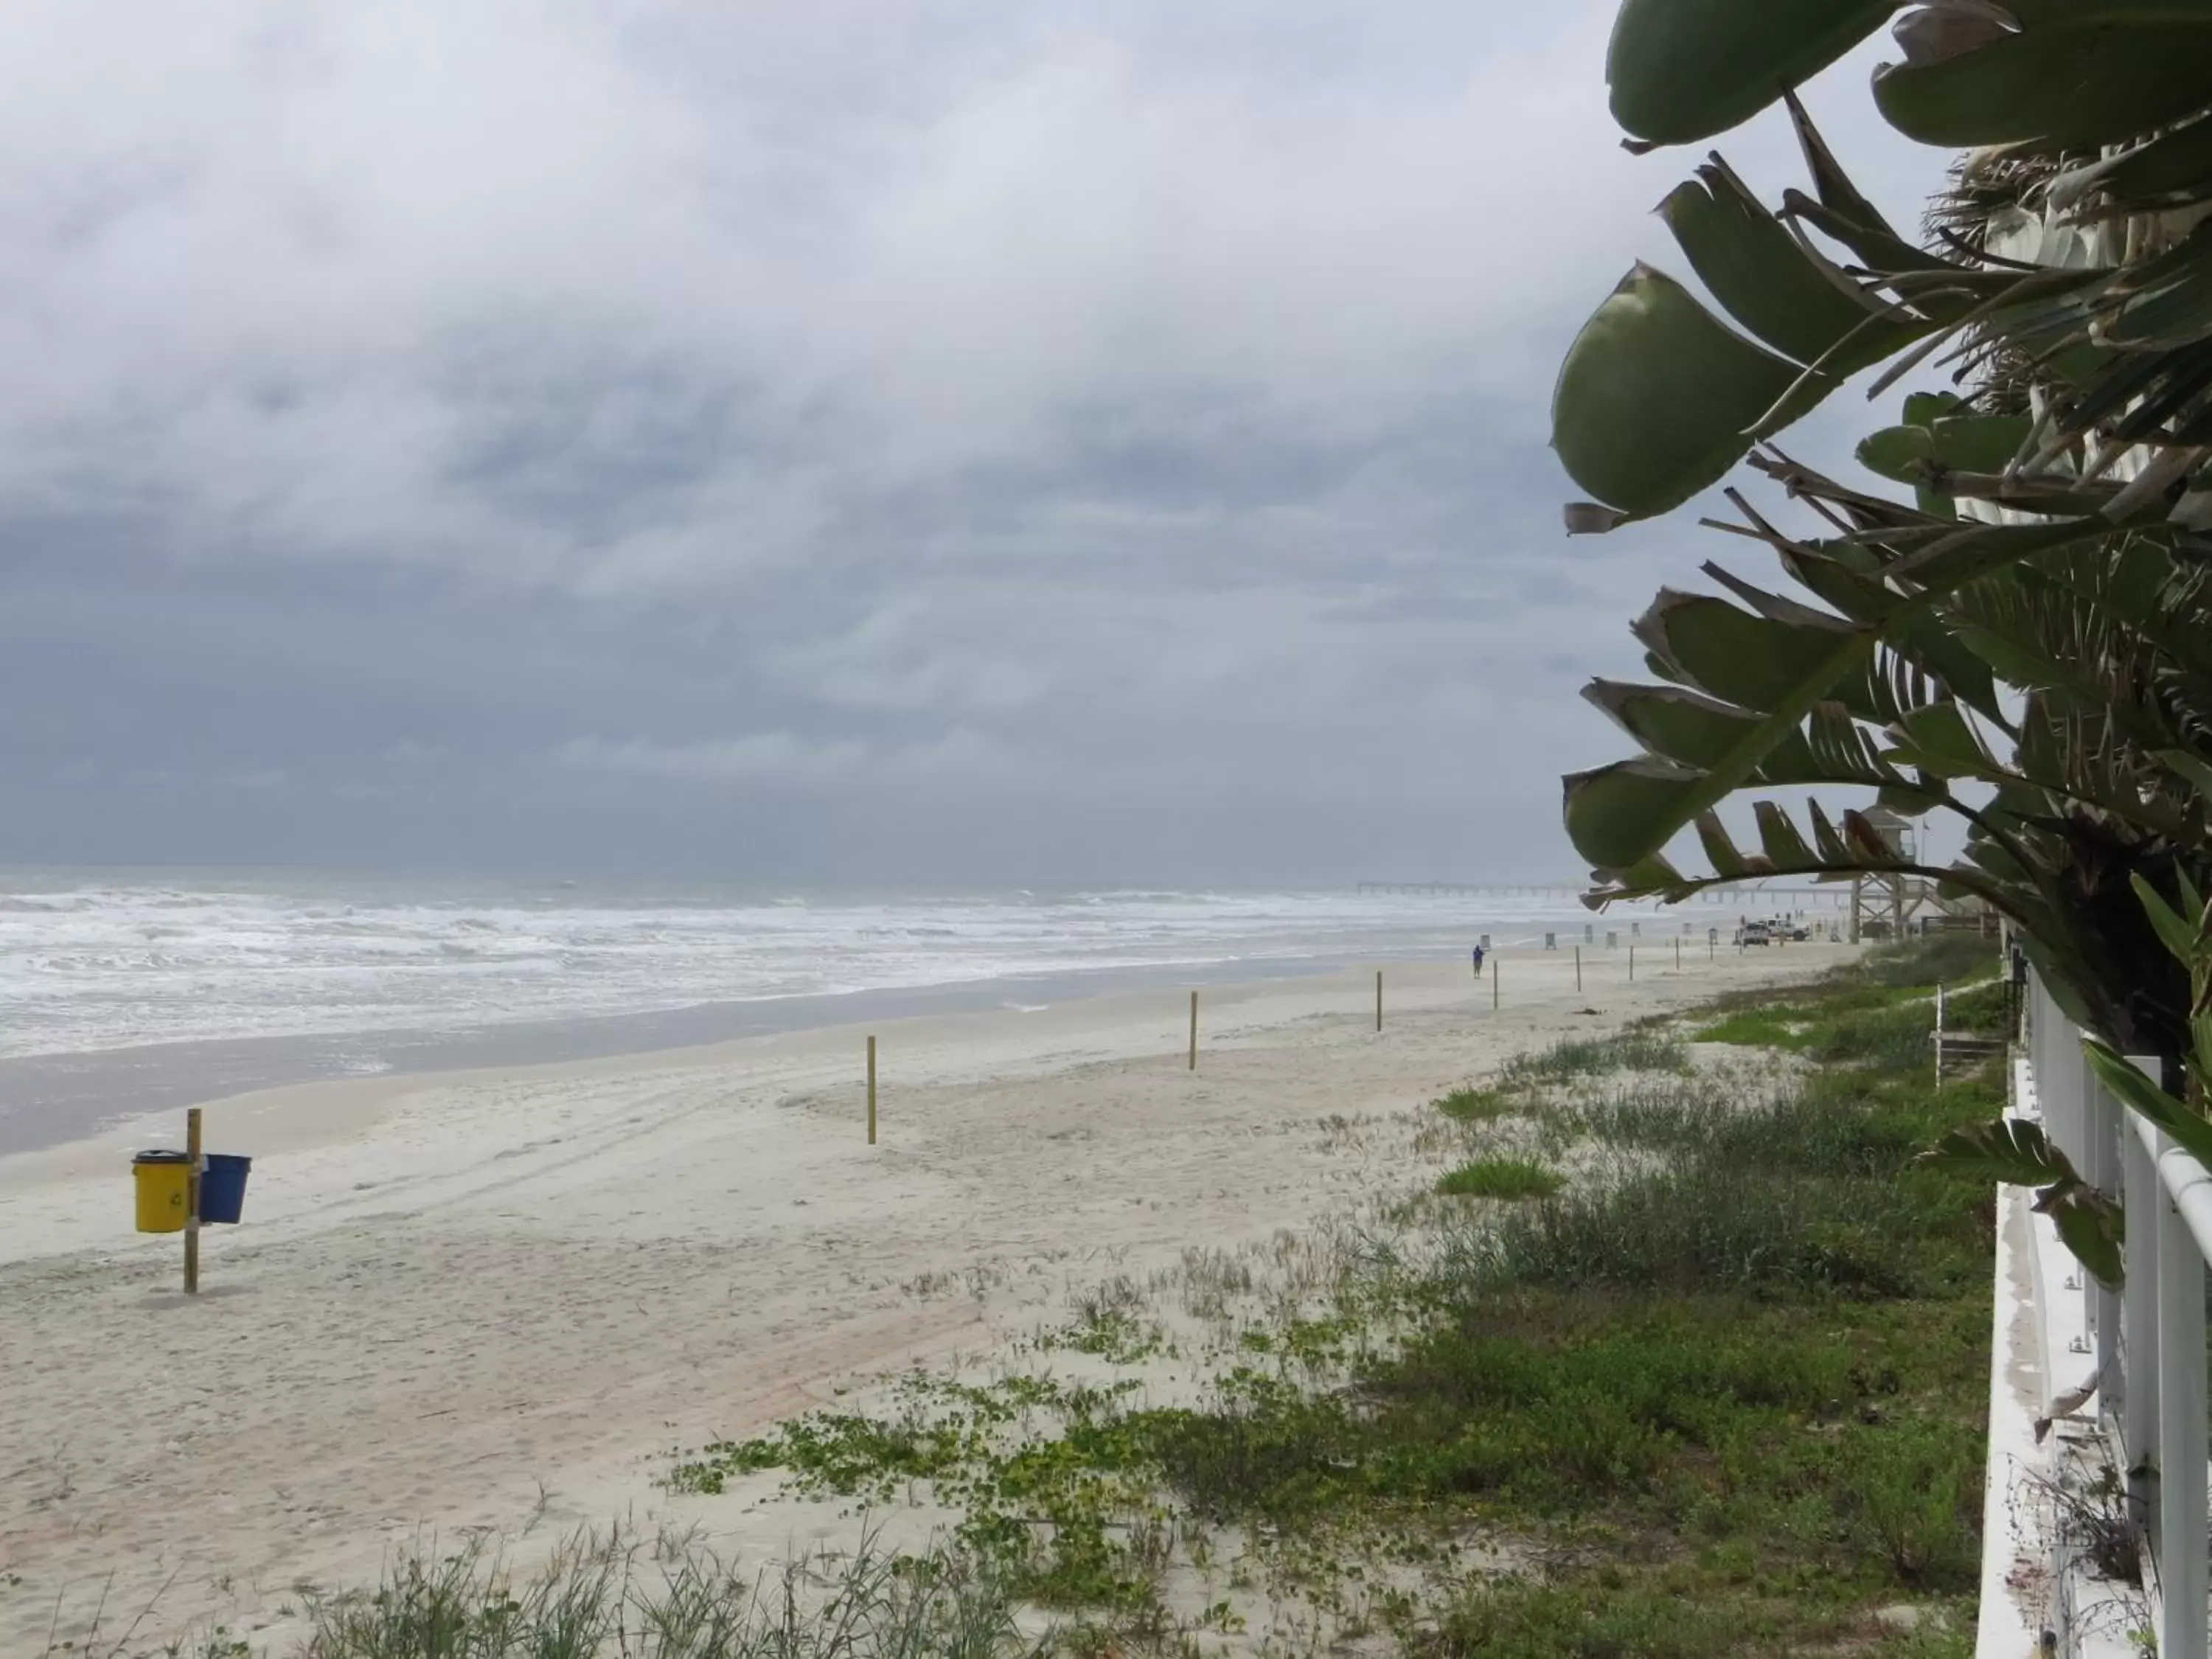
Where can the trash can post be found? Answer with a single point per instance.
(192, 1201)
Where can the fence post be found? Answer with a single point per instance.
(1939, 1036)
(2101, 1128)
(2139, 1352)
(871, 1091)
(2181, 1563)
(1578, 969)
(1193, 1030)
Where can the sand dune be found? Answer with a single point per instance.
(475, 1298)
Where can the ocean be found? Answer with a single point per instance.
(122, 991)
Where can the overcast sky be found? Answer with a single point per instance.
(899, 439)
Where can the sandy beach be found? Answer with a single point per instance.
(494, 1298)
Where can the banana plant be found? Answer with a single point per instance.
(2062, 797)
(2090, 1223)
(2019, 643)
(1684, 70)
(2018, 1153)
(2187, 933)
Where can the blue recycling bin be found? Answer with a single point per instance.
(223, 1186)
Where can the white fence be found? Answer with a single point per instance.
(2149, 1339)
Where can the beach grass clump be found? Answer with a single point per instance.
(1946, 958)
(1472, 1104)
(601, 1596)
(1501, 1177)
(1574, 1058)
(1530, 1086)
(1984, 1009)
(1895, 1039)
(1754, 1028)
(1115, 1334)
(1113, 1321)
(1665, 1115)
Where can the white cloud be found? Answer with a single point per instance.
(1080, 407)
(406, 282)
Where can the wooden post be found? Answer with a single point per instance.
(193, 1162)
(871, 1091)
(1193, 1030)
(1939, 1036)
(1378, 999)
(1494, 966)
(1631, 963)
(1578, 968)
(1678, 955)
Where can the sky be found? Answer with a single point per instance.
(894, 441)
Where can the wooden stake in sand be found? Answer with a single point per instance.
(871, 1091)
(1631, 963)
(1578, 968)
(1494, 969)
(1678, 955)
(193, 1162)
(1193, 1030)
(1378, 999)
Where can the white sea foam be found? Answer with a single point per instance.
(90, 965)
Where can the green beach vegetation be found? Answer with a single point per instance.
(1705, 1376)
(1719, 1392)
(2006, 632)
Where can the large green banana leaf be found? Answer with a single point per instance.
(1683, 70)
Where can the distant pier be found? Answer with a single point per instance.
(1465, 889)
(1837, 895)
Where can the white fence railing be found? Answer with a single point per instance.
(2149, 1339)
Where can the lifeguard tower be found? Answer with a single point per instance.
(1883, 906)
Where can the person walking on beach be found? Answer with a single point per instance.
(1478, 962)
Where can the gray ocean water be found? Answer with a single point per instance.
(131, 991)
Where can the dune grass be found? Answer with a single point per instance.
(1723, 1397)
(1587, 1057)
(1733, 1392)
(603, 1595)
(1473, 1105)
(1500, 1178)
(1525, 1080)
(1756, 1359)
(616, 1595)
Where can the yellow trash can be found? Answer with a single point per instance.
(164, 1183)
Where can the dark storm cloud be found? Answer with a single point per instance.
(916, 439)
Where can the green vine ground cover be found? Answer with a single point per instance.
(1723, 1395)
